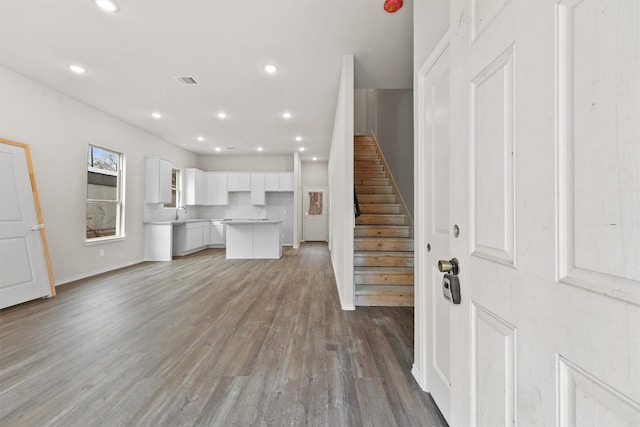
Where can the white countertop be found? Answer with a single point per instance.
(251, 221)
(224, 221)
(186, 221)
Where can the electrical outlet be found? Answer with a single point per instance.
(101, 253)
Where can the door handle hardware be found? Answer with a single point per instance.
(451, 288)
(449, 266)
(36, 227)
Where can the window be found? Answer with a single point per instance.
(175, 190)
(105, 207)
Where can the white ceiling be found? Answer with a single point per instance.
(132, 55)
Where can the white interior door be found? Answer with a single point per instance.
(432, 172)
(315, 214)
(23, 270)
(545, 184)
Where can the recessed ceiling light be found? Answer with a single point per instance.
(301, 149)
(222, 115)
(314, 159)
(201, 138)
(218, 148)
(270, 68)
(298, 138)
(286, 115)
(78, 69)
(107, 5)
(156, 115)
(259, 148)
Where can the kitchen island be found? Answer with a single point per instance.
(253, 238)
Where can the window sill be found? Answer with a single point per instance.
(100, 240)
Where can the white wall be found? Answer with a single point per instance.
(58, 130)
(389, 115)
(360, 112)
(245, 163)
(315, 174)
(297, 200)
(341, 219)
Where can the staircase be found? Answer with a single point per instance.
(383, 237)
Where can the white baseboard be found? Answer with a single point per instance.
(95, 273)
(418, 376)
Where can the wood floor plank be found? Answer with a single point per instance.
(205, 341)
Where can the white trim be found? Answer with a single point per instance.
(421, 322)
(95, 273)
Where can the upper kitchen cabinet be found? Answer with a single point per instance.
(195, 187)
(278, 181)
(239, 181)
(217, 192)
(257, 189)
(286, 181)
(158, 180)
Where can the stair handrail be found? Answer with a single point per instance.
(355, 202)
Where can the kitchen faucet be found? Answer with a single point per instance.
(177, 209)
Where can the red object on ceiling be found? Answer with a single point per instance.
(392, 5)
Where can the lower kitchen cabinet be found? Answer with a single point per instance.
(190, 237)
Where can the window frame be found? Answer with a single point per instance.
(120, 195)
(177, 189)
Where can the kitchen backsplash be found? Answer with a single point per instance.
(239, 207)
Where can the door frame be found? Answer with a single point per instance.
(422, 335)
(325, 206)
(36, 202)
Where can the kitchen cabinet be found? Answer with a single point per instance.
(278, 181)
(158, 180)
(271, 181)
(190, 236)
(195, 187)
(286, 181)
(253, 239)
(158, 241)
(205, 232)
(194, 236)
(217, 192)
(239, 181)
(216, 233)
(257, 189)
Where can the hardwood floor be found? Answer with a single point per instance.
(202, 341)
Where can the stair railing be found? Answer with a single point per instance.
(356, 205)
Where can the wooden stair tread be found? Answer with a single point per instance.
(383, 270)
(375, 254)
(384, 239)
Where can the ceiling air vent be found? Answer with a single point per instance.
(186, 80)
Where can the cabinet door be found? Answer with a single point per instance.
(158, 181)
(239, 181)
(189, 186)
(212, 188)
(257, 189)
(194, 236)
(286, 181)
(216, 233)
(205, 233)
(201, 188)
(271, 181)
(223, 192)
(164, 180)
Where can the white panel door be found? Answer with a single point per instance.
(23, 270)
(545, 185)
(315, 215)
(432, 368)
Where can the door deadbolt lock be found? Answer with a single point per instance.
(451, 288)
(450, 266)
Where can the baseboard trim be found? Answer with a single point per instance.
(95, 273)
